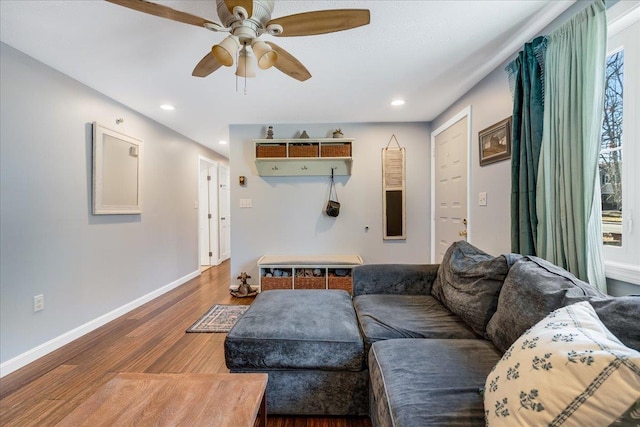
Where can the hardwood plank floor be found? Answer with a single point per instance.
(149, 339)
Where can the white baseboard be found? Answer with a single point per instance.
(35, 353)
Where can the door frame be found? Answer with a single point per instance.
(228, 218)
(214, 259)
(466, 112)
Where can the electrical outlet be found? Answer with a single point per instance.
(38, 303)
(482, 199)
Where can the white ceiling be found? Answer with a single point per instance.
(427, 52)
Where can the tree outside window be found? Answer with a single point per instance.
(610, 161)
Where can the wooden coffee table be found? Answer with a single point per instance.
(220, 400)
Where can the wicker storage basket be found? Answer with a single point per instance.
(271, 150)
(336, 150)
(303, 150)
(310, 283)
(269, 283)
(344, 283)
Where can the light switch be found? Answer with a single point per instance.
(482, 199)
(246, 203)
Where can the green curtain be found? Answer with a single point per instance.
(527, 86)
(568, 194)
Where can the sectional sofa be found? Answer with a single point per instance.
(507, 340)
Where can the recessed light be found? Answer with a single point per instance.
(167, 107)
(222, 142)
(397, 102)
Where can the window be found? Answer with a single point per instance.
(610, 162)
(620, 146)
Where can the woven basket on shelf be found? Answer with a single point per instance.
(303, 150)
(271, 150)
(269, 283)
(344, 283)
(336, 150)
(310, 283)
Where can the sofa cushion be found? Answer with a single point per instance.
(297, 329)
(417, 382)
(621, 315)
(533, 288)
(567, 369)
(469, 282)
(385, 317)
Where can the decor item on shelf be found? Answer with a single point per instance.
(338, 133)
(304, 135)
(333, 206)
(270, 132)
(246, 21)
(495, 142)
(244, 289)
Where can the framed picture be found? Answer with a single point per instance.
(495, 142)
(117, 172)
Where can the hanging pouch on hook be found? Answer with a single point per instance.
(333, 205)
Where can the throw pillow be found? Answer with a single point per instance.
(533, 288)
(567, 369)
(469, 282)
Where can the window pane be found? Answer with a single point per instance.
(610, 162)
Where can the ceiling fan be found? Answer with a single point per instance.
(246, 21)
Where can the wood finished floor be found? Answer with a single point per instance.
(149, 339)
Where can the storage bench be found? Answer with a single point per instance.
(306, 272)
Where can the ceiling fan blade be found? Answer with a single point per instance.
(321, 22)
(289, 65)
(206, 66)
(162, 11)
(246, 4)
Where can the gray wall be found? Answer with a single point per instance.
(287, 215)
(490, 102)
(84, 265)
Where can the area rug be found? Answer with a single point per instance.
(219, 318)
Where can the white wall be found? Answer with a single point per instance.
(86, 266)
(287, 215)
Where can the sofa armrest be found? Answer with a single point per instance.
(398, 279)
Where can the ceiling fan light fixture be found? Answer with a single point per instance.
(265, 56)
(246, 64)
(226, 50)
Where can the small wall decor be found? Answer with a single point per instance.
(393, 191)
(495, 142)
(117, 172)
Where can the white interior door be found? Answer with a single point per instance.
(208, 212)
(450, 147)
(225, 212)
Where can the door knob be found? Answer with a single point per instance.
(463, 233)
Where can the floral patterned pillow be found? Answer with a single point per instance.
(568, 369)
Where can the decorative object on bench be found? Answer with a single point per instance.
(338, 133)
(244, 289)
(270, 132)
(333, 206)
(219, 318)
